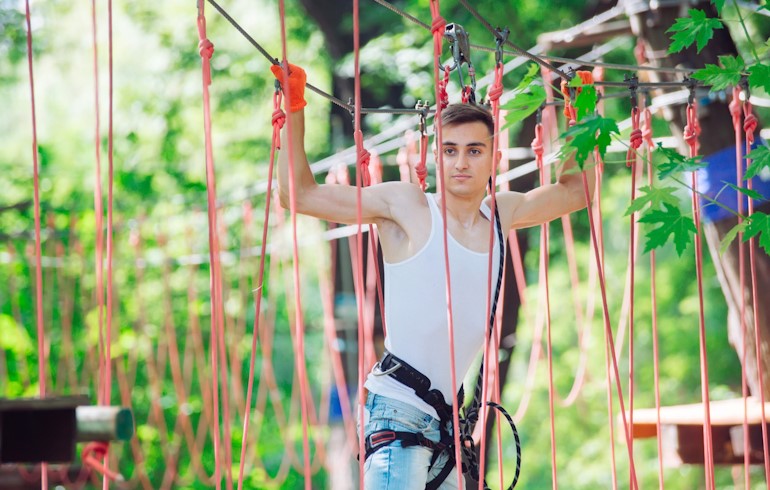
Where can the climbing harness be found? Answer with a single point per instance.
(401, 371)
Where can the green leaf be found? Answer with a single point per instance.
(760, 160)
(697, 28)
(721, 77)
(759, 225)
(676, 162)
(585, 102)
(655, 197)
(746, 192)
(730, 236)
(593, 131)
(719, 4)
(759, 76)
(528, 96)
(671, 222)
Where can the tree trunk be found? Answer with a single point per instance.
(650, 25)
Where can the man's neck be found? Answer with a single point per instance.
(463, 210)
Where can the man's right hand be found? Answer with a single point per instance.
(297, 82)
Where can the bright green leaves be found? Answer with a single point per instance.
(756, 225)
(670, 221)
(719, 4)
(663, 212)
(528, 96)
(760, 160)
(586, 99)
(759, 77)
(591, 132)
(697, 28)
(759, 225)
(656, 197)
(676, 162)
(721, 77)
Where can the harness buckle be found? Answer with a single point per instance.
(377, 370)
(381, 437)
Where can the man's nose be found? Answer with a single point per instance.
(461, 161)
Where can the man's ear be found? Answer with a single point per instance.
(499, 158)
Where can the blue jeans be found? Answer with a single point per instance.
(397, 468)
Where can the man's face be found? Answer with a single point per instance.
(467, 157)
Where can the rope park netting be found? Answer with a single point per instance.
(203, 370)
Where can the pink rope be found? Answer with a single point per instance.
(691, 133)
(278, 120)
(437, 28)
(299, 348)
(749, 126)
(41, 351)
(647, 134)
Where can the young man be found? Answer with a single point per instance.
(408, 423)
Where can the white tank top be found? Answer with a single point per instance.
(416, 311)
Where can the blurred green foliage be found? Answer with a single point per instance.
(161, 244)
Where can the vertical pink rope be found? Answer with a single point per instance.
(736, 112)
(495, 91)
(749, 126)
(537, 147)
(41, 355)
(636, 140)
(362, 179)
(299, 352)
(437, 28)
(650, 145)
(98, 211)
(278, 120)
(206, 50)
(691, 133)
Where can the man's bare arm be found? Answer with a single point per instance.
(331, 202)
(550, 201)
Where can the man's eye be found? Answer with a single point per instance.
(449, 151)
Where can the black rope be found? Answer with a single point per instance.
(540, 61)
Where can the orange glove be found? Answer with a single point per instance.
(297, 81)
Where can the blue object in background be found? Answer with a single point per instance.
(711, 182)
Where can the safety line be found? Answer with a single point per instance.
(299, 325)
(41, 351)
(690, 135)
(749, 126)
(206, 49)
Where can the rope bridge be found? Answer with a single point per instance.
(223, 416)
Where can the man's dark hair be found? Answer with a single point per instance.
(467, 113)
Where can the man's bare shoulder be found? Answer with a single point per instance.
(400, 195)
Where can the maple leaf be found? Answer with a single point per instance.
(719, 4)
(591, 132)
(655, 197)
(697, 28)
(759, 225)
(760, 160)
(721, 77)
(730, 236)
(676, 162)
(671, 222)
(759, 76)
(746, 192)
(585, 102)
(528, 96)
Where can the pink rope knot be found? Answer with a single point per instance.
(735, 108)
(636, 140)
(279, 118)
(496, 91)
(692, 130)
(750, 125)
(442, 85)
(206, 48)
(364, 157)
(647, 131)
(92, 455)
(438, 25)
(421, 169)
(537, 144)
